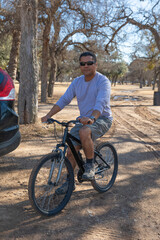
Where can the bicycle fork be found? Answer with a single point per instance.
(61, 161)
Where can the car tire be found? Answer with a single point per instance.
(10, 145)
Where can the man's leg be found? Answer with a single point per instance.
(71, 157)
(88, 148)
(87, 143)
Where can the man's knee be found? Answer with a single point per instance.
(84, 132)
(69, 152)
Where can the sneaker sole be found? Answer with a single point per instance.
(84, 178)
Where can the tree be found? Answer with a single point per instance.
(28, 92)
(144, 19)
(10, 19)
(68, 20)
(5, 47)
(49, 11)
(14, 53)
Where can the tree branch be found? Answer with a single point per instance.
(113, 36)
(147, 27)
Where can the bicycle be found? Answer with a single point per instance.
(54, 169)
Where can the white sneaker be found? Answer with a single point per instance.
(89, 173)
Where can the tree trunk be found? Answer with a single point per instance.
(12, 66)
(45, 51)
(53, 75)
(44, 70)
(28, 93)
(156, 99)
(158, 83)
(153, 85)
(141, 82)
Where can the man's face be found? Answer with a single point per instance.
(88, 70)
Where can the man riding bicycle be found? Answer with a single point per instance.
(92, 90)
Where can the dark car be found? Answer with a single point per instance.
(9, 127)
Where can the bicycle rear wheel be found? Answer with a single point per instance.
(43, 184)
(106, 167)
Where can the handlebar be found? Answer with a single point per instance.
(65, 124)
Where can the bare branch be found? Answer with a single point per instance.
(113, 36)
(147, 27)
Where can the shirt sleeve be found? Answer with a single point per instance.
(103, 96)
(67, 96)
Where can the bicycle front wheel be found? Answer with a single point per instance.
(46, 177)
(106, 167)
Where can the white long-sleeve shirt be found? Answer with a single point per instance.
(91, 95)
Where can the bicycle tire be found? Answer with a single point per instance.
(105, 175)
(42, 194)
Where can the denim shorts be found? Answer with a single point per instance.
(98, 129)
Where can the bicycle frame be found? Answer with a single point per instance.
(75, 154)
(67, 139)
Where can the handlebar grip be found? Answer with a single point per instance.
(50, 120)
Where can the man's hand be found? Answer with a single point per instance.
(86, 120)
(44, 119)
(55, 109)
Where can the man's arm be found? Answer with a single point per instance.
(96, 114)
(61, 103)
(103, 96)
(86, 120)
(55, 109)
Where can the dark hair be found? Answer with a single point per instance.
(85, 54)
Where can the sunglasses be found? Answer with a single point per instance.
(89, 63)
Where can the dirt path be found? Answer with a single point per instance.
(130, 210)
